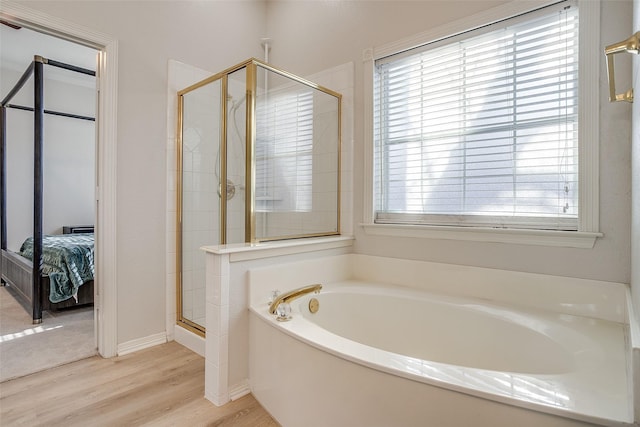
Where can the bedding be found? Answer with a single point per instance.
(68, 261)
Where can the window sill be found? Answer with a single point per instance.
(567, 239)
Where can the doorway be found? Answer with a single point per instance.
(58, 75)
(106, 168)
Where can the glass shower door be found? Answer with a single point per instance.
(199, 210)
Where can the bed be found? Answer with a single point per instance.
(67, 271)
(32, 285)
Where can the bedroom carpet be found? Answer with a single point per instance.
(25, 348)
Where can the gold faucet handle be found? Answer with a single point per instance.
(291, 295)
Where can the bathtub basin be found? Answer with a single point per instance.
(388, 355)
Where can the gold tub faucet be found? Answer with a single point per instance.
(291, 295)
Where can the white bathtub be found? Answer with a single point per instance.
(381, 355)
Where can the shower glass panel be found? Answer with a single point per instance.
(296, 158)
(258, 160)
(236, 155)
(199, 154)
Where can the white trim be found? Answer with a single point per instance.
(588, 118)
(589, 133)
(141, 343)
(567, 239)
(481, 19)
(107, 213)
(218, 400)
(188, 339)
(238, 390)
(106, 302)
(368, 69)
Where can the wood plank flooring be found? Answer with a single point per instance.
(159, 386)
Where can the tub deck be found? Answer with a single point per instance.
(593, 388)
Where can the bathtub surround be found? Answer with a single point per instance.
(582, 325)
(362, 397)
(228, 266)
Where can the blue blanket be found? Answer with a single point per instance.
(68, 261)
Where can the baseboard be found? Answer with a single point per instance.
(190, 340)
(215, 399)
(141, 343)
(238, 390)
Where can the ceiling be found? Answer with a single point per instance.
(18, 47)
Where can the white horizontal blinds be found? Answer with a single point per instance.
(482, 130)
(284, 148)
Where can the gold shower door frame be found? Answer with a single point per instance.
(251, 66)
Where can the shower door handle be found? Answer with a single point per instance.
(630, 45)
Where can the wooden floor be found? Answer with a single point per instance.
(160, 386)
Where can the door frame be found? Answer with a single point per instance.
(105, 298)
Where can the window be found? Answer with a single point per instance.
(482, 129)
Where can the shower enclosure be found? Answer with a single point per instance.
(258, 160)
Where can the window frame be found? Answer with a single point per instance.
(588, 134)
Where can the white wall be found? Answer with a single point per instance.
(209, 35)
(68, 161)
(310, 35)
